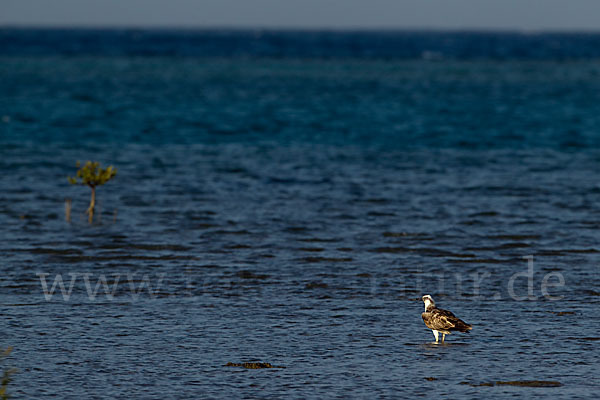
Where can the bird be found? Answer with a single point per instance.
(443, 321)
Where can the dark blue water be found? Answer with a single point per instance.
(288, 197)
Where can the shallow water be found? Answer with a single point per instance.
(255, 253)
(294, 212)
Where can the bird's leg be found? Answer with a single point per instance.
(435, 333)
(443, 337)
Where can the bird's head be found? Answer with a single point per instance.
(428, 300)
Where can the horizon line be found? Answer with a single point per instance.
(340, 29)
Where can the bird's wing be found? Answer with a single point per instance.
(440, 320)
(445, 313)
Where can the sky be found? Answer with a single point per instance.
(525, 15)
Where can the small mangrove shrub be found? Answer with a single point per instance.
(92, 175)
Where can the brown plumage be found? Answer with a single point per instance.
(443, 321)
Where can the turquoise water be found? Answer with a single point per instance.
(293, 210)
(397, 104)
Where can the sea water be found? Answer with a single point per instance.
(288, 197)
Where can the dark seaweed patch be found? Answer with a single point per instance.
(316, 285)
(245, 274)
(253, 365)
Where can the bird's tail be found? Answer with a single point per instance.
(463, 327)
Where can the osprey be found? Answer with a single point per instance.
(439, 320)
